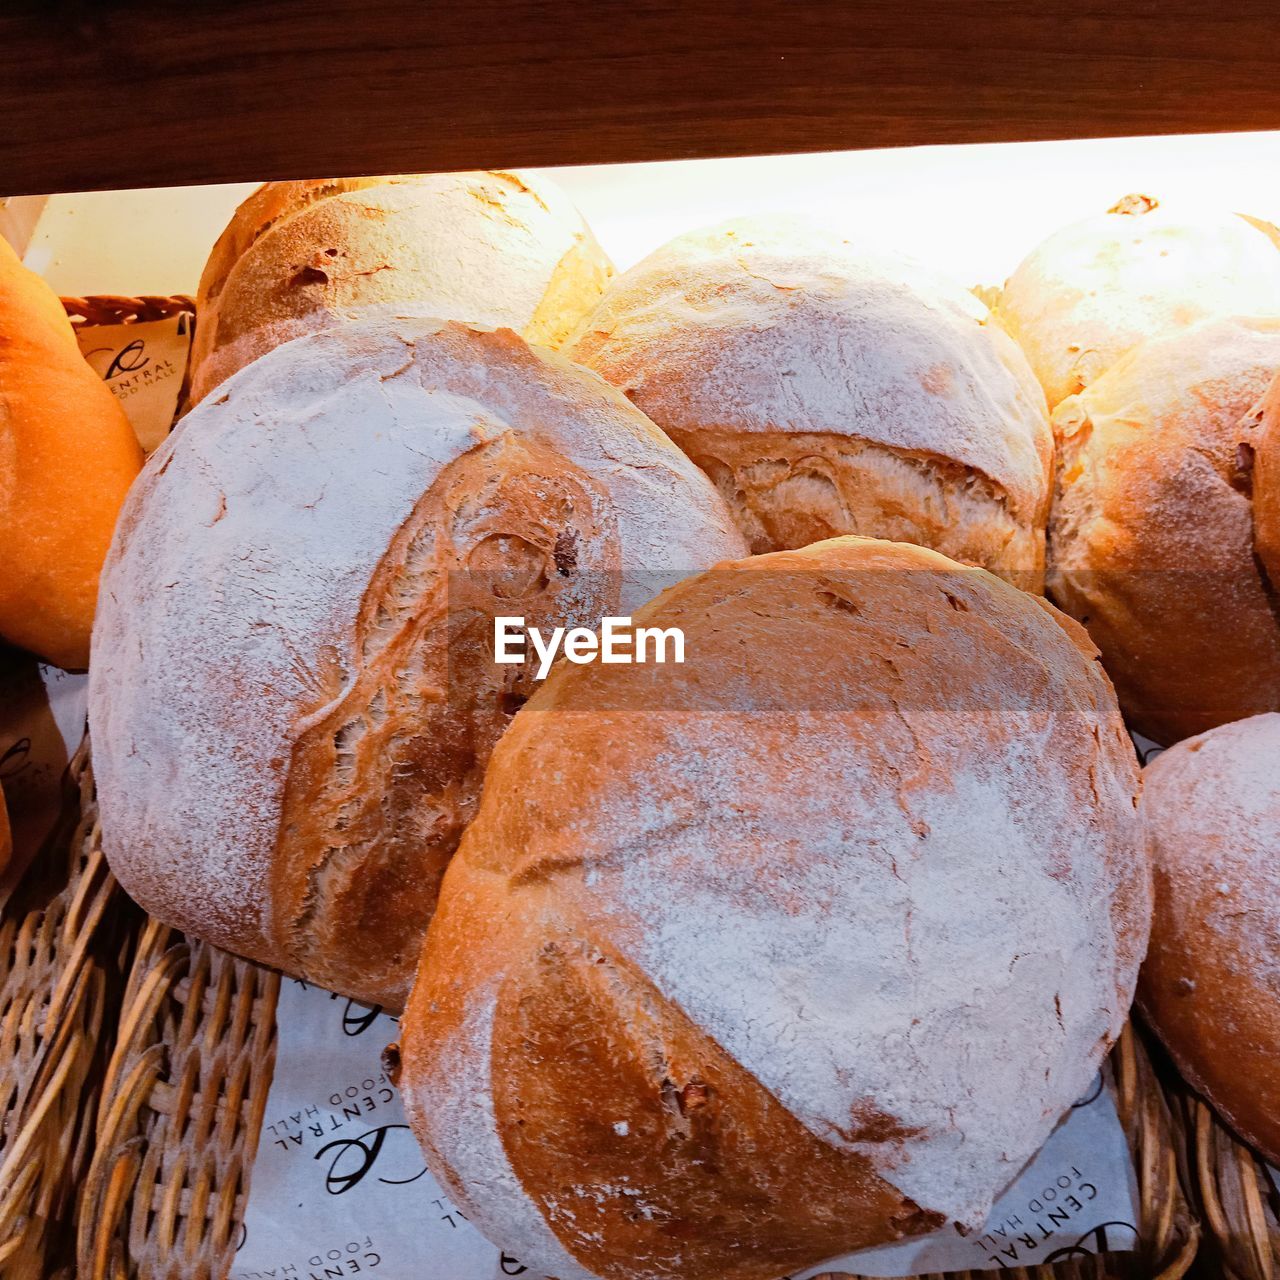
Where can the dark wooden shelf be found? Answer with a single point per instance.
(145, 94)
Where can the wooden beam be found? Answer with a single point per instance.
(146, 94)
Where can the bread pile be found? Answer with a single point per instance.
(806, 943)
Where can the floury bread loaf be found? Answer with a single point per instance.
(796, 948)
(1211, 983)
(829, 391)
(1152, 534)
(293, 691)
(1142, 270)
(494, 247)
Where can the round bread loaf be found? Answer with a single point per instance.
(67, 457)
(1141, 270)
(1210, 985)
(293, 691)
(796, 948)
(1261, 441)
(493, 247)
(827, 391)
(1151, 538)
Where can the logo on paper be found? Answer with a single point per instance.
(354, 1159)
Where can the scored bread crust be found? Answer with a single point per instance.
(1144, 269)
(1261, 437)
(790, 950)
(1210, 985)
(293, 692)
(492, 247)
(1151, 536)
(830, 391)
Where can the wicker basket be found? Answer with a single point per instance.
(182, 1107)
(64, 943)
(119, 309)
(1240, 1204)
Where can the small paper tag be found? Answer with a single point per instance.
(339, 1186)
(144, 365)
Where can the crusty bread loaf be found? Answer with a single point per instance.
(1151, 537)
(1261, 441)
(828, 391)
(796, 948)
(1143, 269)
(67, 458)
(1211, 982)
(293, 691)
(492, 247)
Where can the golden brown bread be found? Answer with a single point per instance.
(1143, 269)
(1261, 440)
(1211, 981)
(1151, 535)
(293, 692)
(798, 947)
(67, 457)
(829, 391)
(493, 247)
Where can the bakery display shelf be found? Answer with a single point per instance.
(138, 1061)
(65, 940)
(1239, 1198)
(99, 103)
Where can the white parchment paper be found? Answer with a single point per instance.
(69, 703)
(340, 1188)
